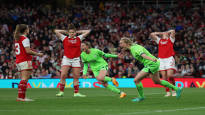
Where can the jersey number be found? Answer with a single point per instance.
(17, 46)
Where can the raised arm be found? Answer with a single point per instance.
(172, 33)
(84, 33)
(59, 33)
(154, 36)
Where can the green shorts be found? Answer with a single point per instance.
(152, 68)
(96, 72)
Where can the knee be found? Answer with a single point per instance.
(137, 81)
(63, 76)
(101, 79)
(157, 82)
(76, 74)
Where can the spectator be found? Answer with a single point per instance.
(109, 23)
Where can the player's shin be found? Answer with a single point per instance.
(22, 89)
(169, 85)
(62, 87)
(140, 90)
(107, 79)
(113, 89)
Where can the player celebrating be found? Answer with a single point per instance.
(71, 58)
(151, 67)
(165, 53)
(99, 66)
(23, 59)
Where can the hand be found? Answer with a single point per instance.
(84, 76)
(79, 31)
(40, 54)
(120, 55)
(154, 60)
(171, 31)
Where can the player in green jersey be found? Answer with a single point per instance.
(99, 67)
(151, 66)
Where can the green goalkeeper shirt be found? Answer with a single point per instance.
(138, 50)
(94, 59)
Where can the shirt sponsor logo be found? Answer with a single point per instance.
(73, 41)
(165, 42)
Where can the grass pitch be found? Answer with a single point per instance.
(99, 101)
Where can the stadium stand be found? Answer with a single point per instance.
(109, 22)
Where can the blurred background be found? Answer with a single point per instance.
(109, 21)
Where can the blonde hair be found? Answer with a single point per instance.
(20, 29)
(127, 40)
(88, 44)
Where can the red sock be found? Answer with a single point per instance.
(76, 88)
(172, 80)
(22, 89)
(167, 89)
(62, 86)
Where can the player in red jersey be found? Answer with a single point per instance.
(165, 54)
(23, 59)
(71, 58)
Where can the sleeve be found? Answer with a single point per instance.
(101, 53)
(139, 51)
(110, 55)
(157, 40)
(26, 42)
(62, 37)
(81, 37)
(172, 39)
(85, 68)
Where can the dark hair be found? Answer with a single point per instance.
(20, 29)
(71, 27)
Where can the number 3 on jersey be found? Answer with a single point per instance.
(17, 46)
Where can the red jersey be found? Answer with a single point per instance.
(72, 46)
(165, 48)
(21, 54)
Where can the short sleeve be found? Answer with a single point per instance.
(26, 42)
(62, 37)
(81, 37)
(157, 40)
(172, 39)
(138, 51)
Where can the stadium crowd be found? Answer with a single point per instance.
(109, 22)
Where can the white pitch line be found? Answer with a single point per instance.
(98, 110)
(56, 110)
(159, 111)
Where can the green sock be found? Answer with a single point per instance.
(113, 89)
(169, 85)
(107, 79)
(140, 90)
